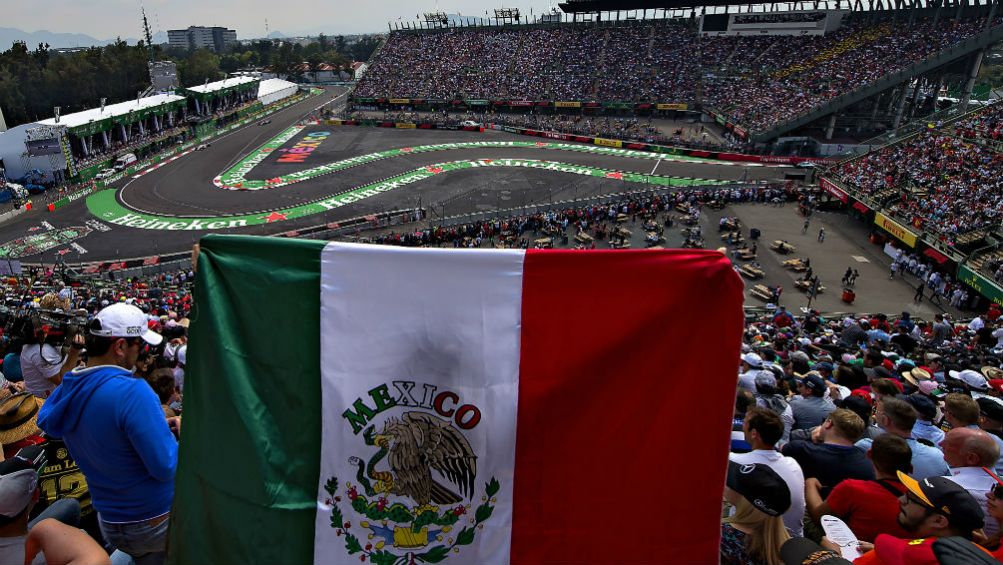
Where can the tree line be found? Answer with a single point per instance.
(33, 82)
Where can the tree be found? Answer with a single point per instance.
(201, 66)
(229, 63)
(322, 43)
(339, 44)
(315, 61)
(362, 49)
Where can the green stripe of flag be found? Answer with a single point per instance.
(251, 499)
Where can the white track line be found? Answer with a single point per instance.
(655, 167)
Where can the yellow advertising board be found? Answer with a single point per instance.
(680, 107)
(567, 104)
(895, 228)
(608, 142)
(400, 125)
(400, 100)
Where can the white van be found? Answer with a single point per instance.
(124, 161)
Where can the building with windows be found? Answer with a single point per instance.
(197, 37)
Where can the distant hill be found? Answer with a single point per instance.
(276, 35)
(8, 35)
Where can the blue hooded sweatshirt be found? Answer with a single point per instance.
(115, 429)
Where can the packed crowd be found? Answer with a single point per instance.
(946, 182)
(892, 425)
(90, 399)
(776, 81)
(757, 81)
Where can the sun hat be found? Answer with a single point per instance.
(18, 417)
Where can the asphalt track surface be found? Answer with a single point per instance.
(184, 187)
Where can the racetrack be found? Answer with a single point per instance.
(274, 178)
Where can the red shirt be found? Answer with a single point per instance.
(868, 508)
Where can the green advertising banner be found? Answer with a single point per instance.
(478, 102)
(981, 284)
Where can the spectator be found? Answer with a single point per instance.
(926, 412)
(898, 418)
(991, 415)
(763, 429)
(42, 363)
(869, 507)
(768, 396)
(931, 508)
(811, 408)
(18, 494)
(114, 427)
(962, 411)
(942, 330)
(750, 366)
(967, 451)
(163, 384)
(831, 457)
(755, 532)
(19, 423)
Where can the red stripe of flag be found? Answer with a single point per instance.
(621, 451)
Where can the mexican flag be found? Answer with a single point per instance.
(365, 404)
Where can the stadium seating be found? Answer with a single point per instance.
(944, 180)
(758, 82)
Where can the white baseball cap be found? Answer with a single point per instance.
(753, 360)
(973, 379)
(125, 320)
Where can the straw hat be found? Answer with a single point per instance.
(52, 301)
(18, 417)
(992, 372)
(917, 375)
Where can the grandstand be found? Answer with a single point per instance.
(938, 189)
(78, 145)
(830, 74)
(212, 97)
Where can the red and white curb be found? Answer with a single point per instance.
(161, 164)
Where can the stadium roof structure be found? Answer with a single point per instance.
(213, 89)
(273, 85)
(92, 121)
(592, 6)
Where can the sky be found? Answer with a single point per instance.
(106, 19)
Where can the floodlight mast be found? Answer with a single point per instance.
(436, 19)
(507, 15)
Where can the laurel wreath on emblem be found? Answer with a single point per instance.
(433, 516)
